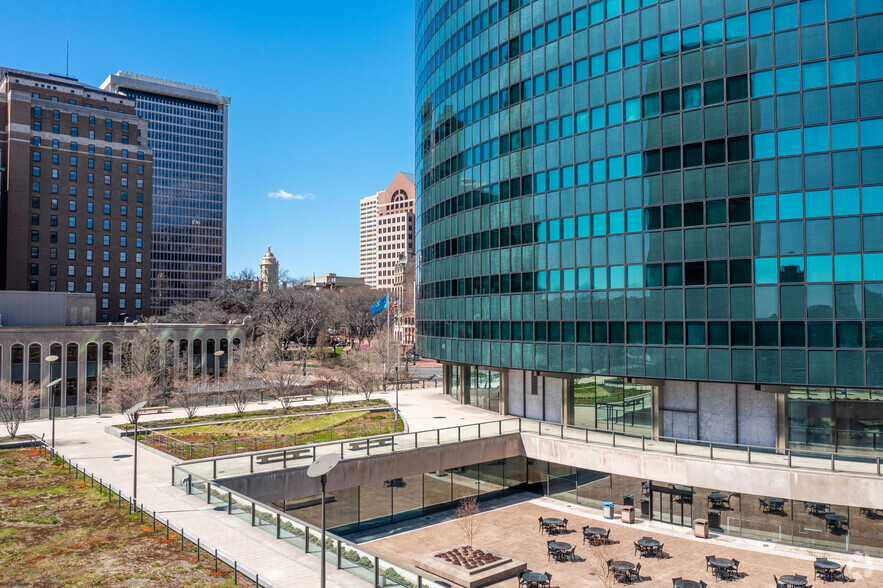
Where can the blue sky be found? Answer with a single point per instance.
(322, 101)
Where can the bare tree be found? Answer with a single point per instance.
(328, 381)
(363, 373)
(384, 352)
(469, 523)
(125, 389)
(14, 402)
(239, 385)
(282, 380)
(354, 313)
(597, 557)
(190, 394)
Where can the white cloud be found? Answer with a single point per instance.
(283, 195)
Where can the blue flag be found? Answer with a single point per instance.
(378, 306)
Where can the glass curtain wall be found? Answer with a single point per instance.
(836, 419)
(603, 402)
(484, 388)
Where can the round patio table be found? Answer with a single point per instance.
(774, 501)
(687, 584)
(827, 566)
(595, 530)
(793, 580)
(714, 496)
(648, 542)
(834, 517)
(552, 521)
(534, 578)
(721, 564)
(560, 545)
(622, 566)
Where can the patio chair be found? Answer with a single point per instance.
(549, 551)
(674, 581)
(659, 549)
(548, 580)
(605, 538)
(702, 584)
(542, 525)
(764, 505)
(562, 526)
(639, 550)
(571, 553)
(587, 537)
(521, 580)
(708, 559)
(609, 566)
(635, 573)
(839, 574)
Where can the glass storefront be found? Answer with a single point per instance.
(453, 378)
(846, 420)
(604, 402)
(484, 388)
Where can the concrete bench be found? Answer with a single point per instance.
(295, 398)
(365, 443)
(277, 457)
(153, 409)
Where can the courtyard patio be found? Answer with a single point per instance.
(513, 530)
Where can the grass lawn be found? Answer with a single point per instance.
(293, 411)
(58, 531)
(225, 438)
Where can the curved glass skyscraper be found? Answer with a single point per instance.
(660, 216)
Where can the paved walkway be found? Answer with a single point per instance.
(83, 439)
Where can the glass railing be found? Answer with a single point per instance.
(301, 456)
(338, 552)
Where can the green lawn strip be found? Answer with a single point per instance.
(279, 426)
(295, 410)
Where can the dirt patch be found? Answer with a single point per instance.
(59, 531)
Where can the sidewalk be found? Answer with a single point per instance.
(83, 439)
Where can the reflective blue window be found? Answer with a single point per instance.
(582, 174)
(812, 11)
(566, 75)
(599, 224)
(596, 13)
(764, 145)
(787, 79)
(633, 220)
(712, 32)
(760, 22)
(580, 19)
(790, 205)
(599, 278)
(789, 142)
(815, 75)
(631, 55)
(567, 179)
(596, 65)
(581, 70)
(815, 139)
(599, 170)
(765, 208)
(842, 70)
(670, 43)
(839, 9)
(633, 164)
(846, 201)
(818, 268)
(818, 203)
(567, 278)
(873, 266)
(617, 277)
(870, 66)
(872, 132)
(632, 109)
(848, 268)
(650, 49)
(613, 8)
(786, 17)
(598, 118)
(552, 179)
(762, 83)
(614, 113)
(737, 28)
(615, 221)
(690, 38)
(582, 121)
(766, 271)
(566, 125)
(635, 276)
(872, 199)
(844, 136)
(584, 278)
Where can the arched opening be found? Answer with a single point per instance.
(224, 359)
(71, 375)
(92, 391)
(197, 358)
(55, 373)
(210, 357)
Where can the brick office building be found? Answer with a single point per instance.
(75, 202)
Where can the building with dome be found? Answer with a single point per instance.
(269, 272)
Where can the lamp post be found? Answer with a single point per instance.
(319, 469)
(52, 359)
(218, 354)
(133, 412)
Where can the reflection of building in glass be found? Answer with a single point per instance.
(661, 218)
(188, 134)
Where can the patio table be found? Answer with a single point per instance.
(721, 565)
(835, 520)
(716, 499)
(793, 580)
(534, 578)
(622, 566)
(560, 545)
(552, 521)
(827, 566)
(687, 584)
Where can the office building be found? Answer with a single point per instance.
(395, 227)
(368, 239)
(662, 218)
(76, 199)
(188, 135)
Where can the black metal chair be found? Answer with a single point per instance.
(521, 580)
(839, 574)
(674, 581)
(658, 550)
(542, 525)
(734, 571)
(635, 574)
(548, 580)
(562, 526)
(549, 550)
(708, 559)
(609, 566)
(779, 584)
(702, 584)
(639, 549)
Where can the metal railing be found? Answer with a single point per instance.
(205, 551)
(269, 460)
(347, 556)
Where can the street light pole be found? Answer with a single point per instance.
(319, 469)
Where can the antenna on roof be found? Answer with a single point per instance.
(67, 59)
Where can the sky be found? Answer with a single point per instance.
(322, 109)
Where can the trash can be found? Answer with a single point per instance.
(628, 500)
(645, 507)
(700, 528)
(628, 514)
(714, 519)
(608, 510)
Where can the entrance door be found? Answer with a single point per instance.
(672, 504)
